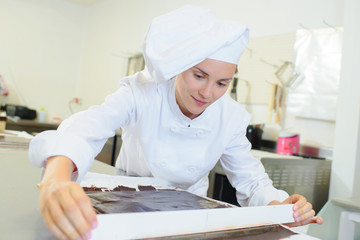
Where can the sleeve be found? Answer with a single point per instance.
(246, 173)
(82, 136)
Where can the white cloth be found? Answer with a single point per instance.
(159, 141)
(185, 37)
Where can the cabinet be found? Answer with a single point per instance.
(30, 126)
(110, 151)
(107, 155)
(307, 177)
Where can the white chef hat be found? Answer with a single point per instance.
(185, 37)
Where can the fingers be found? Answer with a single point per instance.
(72, 220)
(306, 212)
(317, 220)
(296, 199)
(85, 207)
(52, 226)
(62, 221)
(303, 211)
(67, 211)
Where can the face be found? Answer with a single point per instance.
(200, 86)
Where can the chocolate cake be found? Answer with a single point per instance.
(124, 199)
(123, 188)
(146, 188)
(93, 189)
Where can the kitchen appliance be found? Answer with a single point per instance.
(20, 111)
(233, 92)
(254, 135)
(288, 143)
(307, 177)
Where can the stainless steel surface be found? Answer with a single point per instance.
(20, 215)
(308, 177)
(321, 152)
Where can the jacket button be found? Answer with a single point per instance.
(162, 164)
(173, 129)
(191, 169)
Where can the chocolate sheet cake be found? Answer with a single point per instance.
(123, 199)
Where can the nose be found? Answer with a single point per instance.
(206, 90)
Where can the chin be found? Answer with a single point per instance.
(198, 111)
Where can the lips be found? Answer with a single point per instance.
(198, 102)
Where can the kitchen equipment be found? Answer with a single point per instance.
(233, 92)
(254, 135)
(307, 177)
(20, 111)
(288, 143)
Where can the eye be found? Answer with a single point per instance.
(198, 76)
(221, 84)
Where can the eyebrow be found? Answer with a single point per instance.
(202, 71)
(222, 79)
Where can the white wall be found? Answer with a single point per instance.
(345, 176)
(57, 49)
(41, 52)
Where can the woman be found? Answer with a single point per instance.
(176, 121)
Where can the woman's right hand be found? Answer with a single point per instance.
(66, 209)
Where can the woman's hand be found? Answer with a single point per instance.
(66, 209)
(303, 212)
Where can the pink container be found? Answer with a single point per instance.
(288, 143)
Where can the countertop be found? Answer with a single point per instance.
(265, 154)
(20, 214)
(30, 126)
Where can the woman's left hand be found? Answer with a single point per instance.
(303, 212)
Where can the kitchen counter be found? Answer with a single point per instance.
(20, 214)
(259, 154)
(30, 126)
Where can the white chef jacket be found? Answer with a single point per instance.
(160, 141)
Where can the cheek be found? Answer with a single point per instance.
(181, 88)
(219, 93)
(187, 83)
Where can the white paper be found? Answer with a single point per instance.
(167, 223)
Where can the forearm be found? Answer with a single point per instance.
(58, 168)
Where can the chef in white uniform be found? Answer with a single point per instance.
(177, 121)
